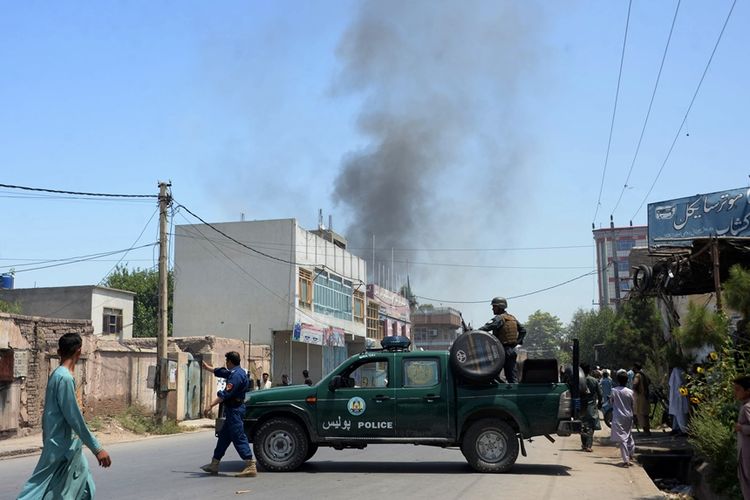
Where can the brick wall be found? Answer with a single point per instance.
(42, 335)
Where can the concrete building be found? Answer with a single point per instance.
(613, 245)
(436, 329)
(387, 315)
(299, 291)
(109, 310)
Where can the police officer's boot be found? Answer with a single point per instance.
(250, 470)
(212, 468)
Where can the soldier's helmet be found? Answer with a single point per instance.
(500, 302)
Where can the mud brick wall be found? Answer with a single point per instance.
(42, 335)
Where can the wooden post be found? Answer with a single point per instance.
(717, 272)
(165, 200)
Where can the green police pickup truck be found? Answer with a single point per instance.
(395, 395)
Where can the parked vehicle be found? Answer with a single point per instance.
(395, 395)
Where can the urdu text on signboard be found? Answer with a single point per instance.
(724, 214)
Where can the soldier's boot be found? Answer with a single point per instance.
(250, 470)
(212, 468)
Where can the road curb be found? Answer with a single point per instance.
(34, 450)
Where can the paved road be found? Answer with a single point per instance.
(167, 468)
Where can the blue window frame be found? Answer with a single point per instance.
(332, 295)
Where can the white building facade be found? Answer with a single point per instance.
(300, 292)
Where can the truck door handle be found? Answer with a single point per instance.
(430, 398)
(380, 398)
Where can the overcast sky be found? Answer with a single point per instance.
(477, 126)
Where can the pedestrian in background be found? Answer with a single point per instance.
(623, 401)
(606, 386)
(233, 430)
(62, 471)
(642, 389)
(266, 382)
(284, 379)
(742, 427)
(590, 403)
(306, 375)
(678, 403)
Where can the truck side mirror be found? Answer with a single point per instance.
(335, 383)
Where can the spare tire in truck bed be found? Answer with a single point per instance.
(477, 356)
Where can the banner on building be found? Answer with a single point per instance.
(724, 214)
(309, 334)
(335, 337)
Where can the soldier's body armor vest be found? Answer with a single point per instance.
(509, 331)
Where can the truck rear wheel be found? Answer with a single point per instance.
(281, 445)
(490, 445)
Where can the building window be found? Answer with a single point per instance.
(373, 321)
(332, 295)
(623, 266)
(305, 288)
(625, 245)
(359, 307)
(112, 321)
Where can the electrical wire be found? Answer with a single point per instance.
(269, 256)
(650, 106)
(272, 245)
(439, 264)
(484, 301)
(254, 279)
(78, 193)
(75, 260)
(614, 113)
(132, 245)
(687, 112)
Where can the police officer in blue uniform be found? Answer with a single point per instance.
(233, 430)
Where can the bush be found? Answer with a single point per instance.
(714, 441)
(711, 427)
(137, 419)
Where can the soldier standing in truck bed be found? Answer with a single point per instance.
(509, 332)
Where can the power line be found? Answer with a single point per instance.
(439, 264)
(484, 301)
(269, 245)
(78, 193)
(690, 106)
(132, 245)
(75, 260)
(269, 256)
(650, 105)
(253, 278)
(614, 113)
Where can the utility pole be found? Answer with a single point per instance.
(616, 263)
(165, 201)
(716, 272)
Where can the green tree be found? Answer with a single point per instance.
(637, 336)
(593, 329)
(544, 333)
(145, 284)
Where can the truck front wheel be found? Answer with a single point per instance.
(490, 445)
(281, 445)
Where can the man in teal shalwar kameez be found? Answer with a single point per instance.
(62, 471)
